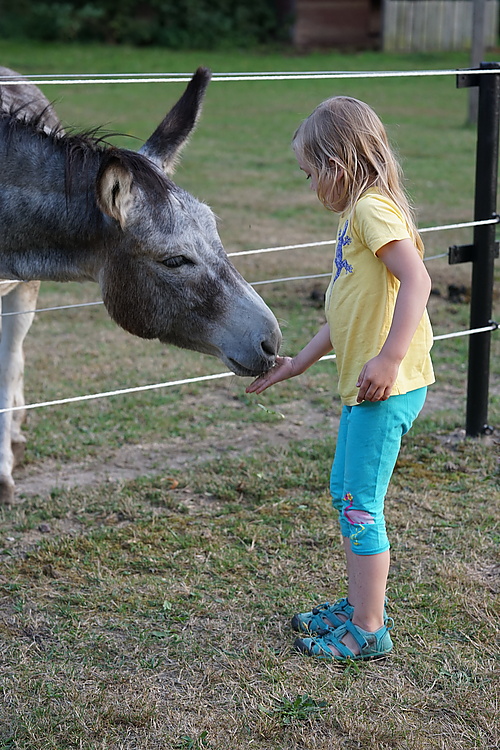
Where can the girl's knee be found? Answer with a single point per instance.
(365, 531)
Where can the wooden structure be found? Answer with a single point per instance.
(347, 24)
(434, 25)
(392, 25)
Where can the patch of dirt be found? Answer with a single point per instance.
(302, 421)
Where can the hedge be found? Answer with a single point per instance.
(177, 24)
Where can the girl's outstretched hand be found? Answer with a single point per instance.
(288, 367)
(282, 370)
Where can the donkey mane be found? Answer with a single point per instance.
(85, 154)
(34, 119)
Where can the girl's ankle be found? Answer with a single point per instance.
(369, 626)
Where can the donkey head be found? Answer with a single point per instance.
(166, 274)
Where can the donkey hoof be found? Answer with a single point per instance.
(6, 491)
(18, 450)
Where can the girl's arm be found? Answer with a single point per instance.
(289, 367)
(379, 374)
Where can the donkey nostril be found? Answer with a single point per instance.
(269, 347)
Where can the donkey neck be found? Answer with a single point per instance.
(50, 227)
(47, 237)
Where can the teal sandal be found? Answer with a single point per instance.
(322, 618)
(371, 645)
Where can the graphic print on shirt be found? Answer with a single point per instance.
(340, 262)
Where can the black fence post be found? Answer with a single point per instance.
(484, 248)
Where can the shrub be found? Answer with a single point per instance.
(177, 24)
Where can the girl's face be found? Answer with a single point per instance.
(310, 175)
(337, 175)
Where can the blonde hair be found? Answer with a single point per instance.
(345, 133)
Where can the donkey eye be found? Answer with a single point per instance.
(176, 260)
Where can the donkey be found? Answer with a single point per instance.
(74, 208)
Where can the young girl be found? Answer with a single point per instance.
(378, 326)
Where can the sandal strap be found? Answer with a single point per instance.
(321, 608)
(334, 638)
(335, 641)
(356, 634)
(319, 646)
(323, 617)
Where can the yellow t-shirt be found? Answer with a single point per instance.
(362, 294)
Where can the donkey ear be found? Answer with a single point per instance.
(164, 145)
(114, 189)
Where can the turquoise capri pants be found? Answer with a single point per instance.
(368, 444)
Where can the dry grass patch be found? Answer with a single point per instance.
(159, 618)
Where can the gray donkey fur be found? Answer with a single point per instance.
(74, 208)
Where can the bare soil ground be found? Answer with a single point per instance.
(302, 421)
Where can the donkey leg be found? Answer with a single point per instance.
(21, 299)
(28, 297)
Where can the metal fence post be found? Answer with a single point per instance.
(485, 204)
(484, 248)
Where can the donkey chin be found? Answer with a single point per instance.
(246, 359)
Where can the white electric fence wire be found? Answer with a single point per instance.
(461, 225)
(484, 329)
(280, 247)
(52, 309)
(200, 379)
(101, 78)
(291, 278)
(439, 228)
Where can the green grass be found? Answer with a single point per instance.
(152, 613)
